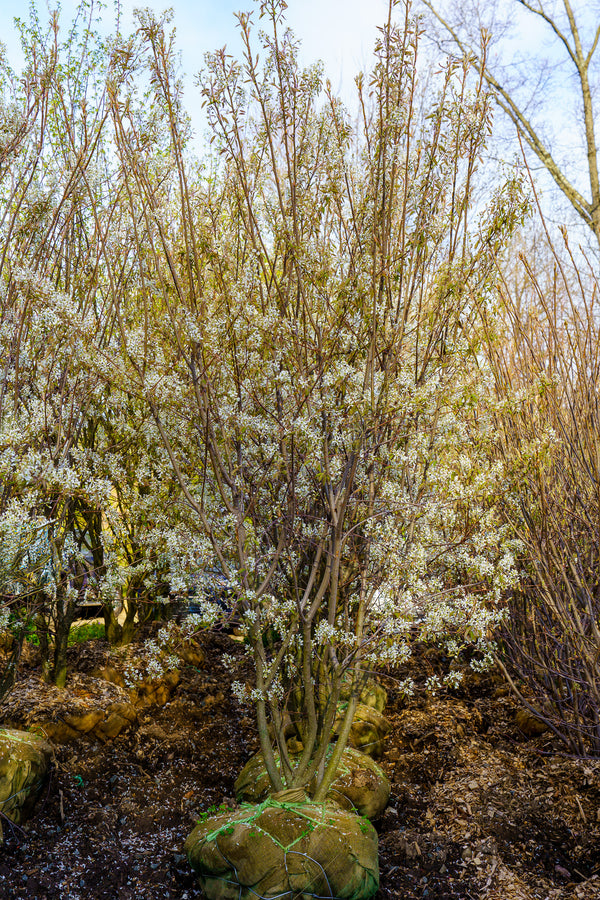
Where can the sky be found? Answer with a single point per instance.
(339, 32)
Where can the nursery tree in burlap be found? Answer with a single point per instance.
(305, 341)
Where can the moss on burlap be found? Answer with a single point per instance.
(359, 780)
(285, 847)
(368, 731)
(24, 759)
(373, 694)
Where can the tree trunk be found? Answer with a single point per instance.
(42, 629)
(7, 679)
(65, 614)
(117, 634)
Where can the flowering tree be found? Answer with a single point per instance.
(308, 353)
(146, 528)
(84, 476)
(41, 400)
(55, 459)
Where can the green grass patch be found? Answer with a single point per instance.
(89, 631)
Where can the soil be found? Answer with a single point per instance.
(478, 809)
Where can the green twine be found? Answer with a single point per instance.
(270, 803)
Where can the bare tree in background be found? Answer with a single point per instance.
(575, 33)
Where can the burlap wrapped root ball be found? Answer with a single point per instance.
(285, 847)
(360, 784)
(372, 694)
(368, 731)
(24, 761)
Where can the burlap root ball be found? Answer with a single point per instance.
(24, 760)
(372, 694)
(286, 847)
(369, 729)
(359, 784)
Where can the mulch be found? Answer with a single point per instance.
(478, 810)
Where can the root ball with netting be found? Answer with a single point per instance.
(360, 784)
(285, 847)
(24, 760)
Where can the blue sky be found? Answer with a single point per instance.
(340, 32)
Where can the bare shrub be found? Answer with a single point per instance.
(549, 435)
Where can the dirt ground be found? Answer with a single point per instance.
(478, 809)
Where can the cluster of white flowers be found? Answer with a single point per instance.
(156, 658)
(240, 692)
(4, 619)
(454, 678)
